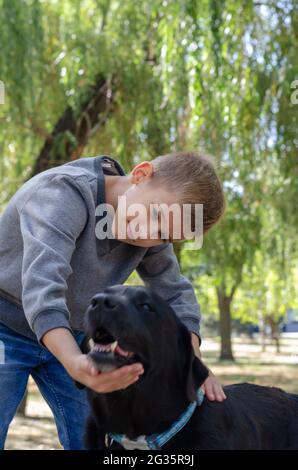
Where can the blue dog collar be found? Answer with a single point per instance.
(156, 441)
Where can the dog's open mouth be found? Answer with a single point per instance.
(106, 353)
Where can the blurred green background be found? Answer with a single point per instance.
(135, 79)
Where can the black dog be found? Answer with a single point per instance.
(133, 324)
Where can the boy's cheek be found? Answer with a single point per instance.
(119, 228)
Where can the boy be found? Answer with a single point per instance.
(52, 263)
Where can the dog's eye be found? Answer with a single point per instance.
(146, 306)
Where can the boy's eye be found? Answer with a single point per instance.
(161, 236)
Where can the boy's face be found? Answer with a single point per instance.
(137, 222)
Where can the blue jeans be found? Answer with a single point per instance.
(21, 357)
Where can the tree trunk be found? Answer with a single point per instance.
(74, 127)
(224, 304)
(275, 334)
(262, 329)
(277, 344)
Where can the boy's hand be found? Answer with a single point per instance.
(211, 386)
(213, 389)
(82, 371)
(63, 346)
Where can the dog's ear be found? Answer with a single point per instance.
(196, 376)
(195, 372)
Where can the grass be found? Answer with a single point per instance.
(38, 431)
(253, 365)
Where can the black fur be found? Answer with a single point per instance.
(252, 416)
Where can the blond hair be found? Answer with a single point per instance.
(193, 177)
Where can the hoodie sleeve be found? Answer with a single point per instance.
(159, 269)
(50, 221)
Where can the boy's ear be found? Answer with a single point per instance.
(141, 171)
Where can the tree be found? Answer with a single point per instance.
(73, 129)
(188, 74)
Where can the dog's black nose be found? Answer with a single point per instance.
(103, 299)
(94, 301)
(109, 301)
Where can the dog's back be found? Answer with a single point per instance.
(252, 417)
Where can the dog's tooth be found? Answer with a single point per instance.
(114, 346)
(91, 343)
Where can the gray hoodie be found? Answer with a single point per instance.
(52, 263)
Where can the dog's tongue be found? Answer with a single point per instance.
(121, 351)
(111, 347)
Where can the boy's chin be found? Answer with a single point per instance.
(140, 242)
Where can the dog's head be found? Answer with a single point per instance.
(126, 324)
